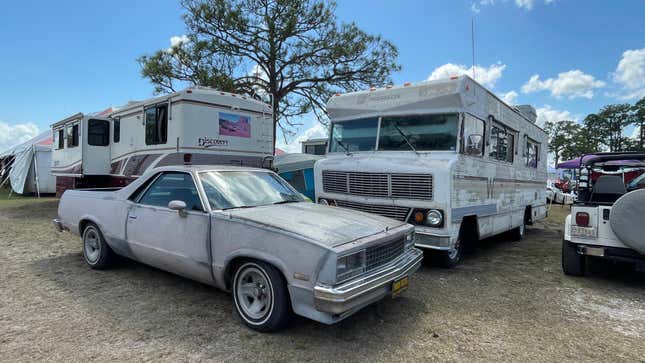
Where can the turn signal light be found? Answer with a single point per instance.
(419, 217)
(582, 219)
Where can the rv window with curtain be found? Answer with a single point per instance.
(502, 143)
(473, 136)
(532, 151)
(72, 135)
(98, 132)
(156, 124)
(117, 131)
(59, 139)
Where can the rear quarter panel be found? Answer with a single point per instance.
(101, 208)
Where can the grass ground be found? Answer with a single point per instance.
(508, 301)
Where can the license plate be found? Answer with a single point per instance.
(399, 285)
(583, 231)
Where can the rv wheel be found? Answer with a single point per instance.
(452, 257)
(519, 232)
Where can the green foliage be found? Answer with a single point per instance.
(293, 52)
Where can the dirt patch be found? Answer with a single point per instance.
(507, 301)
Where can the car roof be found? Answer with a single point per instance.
(202, 168)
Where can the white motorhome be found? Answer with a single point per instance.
(446, 155)
(195, 126)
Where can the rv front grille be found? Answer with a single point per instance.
(408, 186)
(380, 255)
(391, 211)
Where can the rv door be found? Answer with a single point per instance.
(96, 147)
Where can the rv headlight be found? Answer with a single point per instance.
(409, 240)
(434, 218)
(350, 265)
(323, 201)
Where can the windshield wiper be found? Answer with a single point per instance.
(286, 201)
(342, 145)
(405, 137)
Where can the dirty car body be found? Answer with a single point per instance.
(195, 221)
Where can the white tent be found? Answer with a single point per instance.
(27, 166)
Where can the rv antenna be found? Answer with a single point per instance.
(472, 44)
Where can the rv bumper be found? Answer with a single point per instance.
(350, 296)
(423, 240)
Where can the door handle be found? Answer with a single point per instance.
(132, 217)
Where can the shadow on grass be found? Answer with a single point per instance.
(151, 302)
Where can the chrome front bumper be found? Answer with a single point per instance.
(423, 240)
(353, 295)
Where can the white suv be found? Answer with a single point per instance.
(608, 219)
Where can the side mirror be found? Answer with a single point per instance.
(179, 206)
(474, 144)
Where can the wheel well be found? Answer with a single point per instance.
(469, 228)
(237, 261)
(82, 224)
(528, 215)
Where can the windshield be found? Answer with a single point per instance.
(244, 189)
(411, 132)
(419, 132)
(354, 135)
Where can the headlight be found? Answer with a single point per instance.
(350, 265)
(323, 201)
(434, 218)
(409, 240)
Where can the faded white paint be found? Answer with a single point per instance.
(299, 239)
(496, 193)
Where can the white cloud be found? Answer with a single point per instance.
(547, 113)
(636, 134)
(476, 6)
(11, 135)
(630, 74)
(177, 41)
(315, 131)
(510, 97)
(487, 76)
(573, 84)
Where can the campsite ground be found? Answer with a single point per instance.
(506, 301)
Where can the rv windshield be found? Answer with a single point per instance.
(354, 135)
(419, 132)
(245, 189)
(397, 133)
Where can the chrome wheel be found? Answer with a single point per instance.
(253, 293)
(454, 251)
(91, 245)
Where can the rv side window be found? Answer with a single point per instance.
(117, 131)
(72, 135)
(473, 136)
(98, 132)
(156, 124)
(532, 152)
(502, 143)
(59, 139)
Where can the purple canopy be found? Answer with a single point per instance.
(575, 163)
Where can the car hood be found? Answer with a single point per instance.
(330, 226)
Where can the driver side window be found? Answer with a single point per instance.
(473, 136)
(172, 186)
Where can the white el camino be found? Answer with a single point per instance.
(249, 232)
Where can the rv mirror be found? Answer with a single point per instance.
(179, 206)
(474, 144)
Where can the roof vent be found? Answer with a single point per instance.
(528, 111)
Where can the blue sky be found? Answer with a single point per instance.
(567, 58)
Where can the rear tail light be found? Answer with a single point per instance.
(582, 219)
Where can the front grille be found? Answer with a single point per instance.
(409, 186)
(380, 255)
(391, 211)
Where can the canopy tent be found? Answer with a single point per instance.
(27, 166)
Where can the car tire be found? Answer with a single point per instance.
(261, 297)
(452, 257)
(96, 252)
(573, 264)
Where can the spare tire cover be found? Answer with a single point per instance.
(627, 219)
